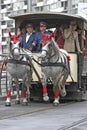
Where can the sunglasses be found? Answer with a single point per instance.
(29, 27)
(42, 25)
(72, 24)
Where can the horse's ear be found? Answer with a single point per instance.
(10, 35)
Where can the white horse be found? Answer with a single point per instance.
(55, 68)
(18, 68)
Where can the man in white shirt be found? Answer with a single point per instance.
(28, 38)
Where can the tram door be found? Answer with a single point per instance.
(73, 68)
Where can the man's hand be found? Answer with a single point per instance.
(30, 49)
(33, 44)
(81, 52)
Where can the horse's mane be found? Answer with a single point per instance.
(56, 47)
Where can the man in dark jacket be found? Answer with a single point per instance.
(28, 38)
(38, 37)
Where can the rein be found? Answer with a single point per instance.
(50, 64)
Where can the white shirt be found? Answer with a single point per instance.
(28, 36)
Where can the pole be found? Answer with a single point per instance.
(29, 5)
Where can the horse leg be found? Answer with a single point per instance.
(24, 94)
(9, 84)
(62, 82)
(28, 85)
(17, 101)
(44, 85)
(56, 94)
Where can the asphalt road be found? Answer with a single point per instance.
(40, 116)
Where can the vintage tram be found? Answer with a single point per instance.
(76, 84)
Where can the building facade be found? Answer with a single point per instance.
(7, 24)
(22, 6)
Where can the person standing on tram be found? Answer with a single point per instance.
(28, 38)
(22, 29)
(39, 36)
(59, 36)
(71, 38)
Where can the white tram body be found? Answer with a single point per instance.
(76, 84)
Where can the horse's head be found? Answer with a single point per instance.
(14, 45)
(46, 44)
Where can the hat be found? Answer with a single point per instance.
(29, 24)
(73, 22)
(22, 25)
(44, 23)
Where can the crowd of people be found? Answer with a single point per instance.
(65, 36)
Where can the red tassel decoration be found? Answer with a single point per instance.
(9, 94)
(44, 90)
(24, 93)
(56, 94)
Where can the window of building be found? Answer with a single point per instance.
(4, 31)
(34, 2)
(18, 5)
(3, 22)
(25, 2)
(2, 16)
(10, 23)
(3, 6)
(47, 7)
(7, 13)
(2, 1)
(39, 0)
(9, 7)
(4, 49)
(3, 39)
(64, 4)
(12, 30)
(53, 6)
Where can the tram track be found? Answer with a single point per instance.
(74, 124)
(9, 112)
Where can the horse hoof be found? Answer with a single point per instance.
(25, 103)
(8, 104)
(63, 92)
(46, 98)
(17, 102)
(55, 104)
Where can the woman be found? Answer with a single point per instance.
(71, 38)
(59, 37)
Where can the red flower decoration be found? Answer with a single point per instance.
(46, 38)
(14, 38)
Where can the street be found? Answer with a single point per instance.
(40, 116)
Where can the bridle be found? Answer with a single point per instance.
(14, 43)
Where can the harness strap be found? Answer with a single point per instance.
(18, 62)
(53, 64)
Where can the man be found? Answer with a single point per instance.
(71, 38)
(28, 38)
(39, 37)
(22, 28)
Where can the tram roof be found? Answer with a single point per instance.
(52, 18)
(45, 15)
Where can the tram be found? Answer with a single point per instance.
(76, 84)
